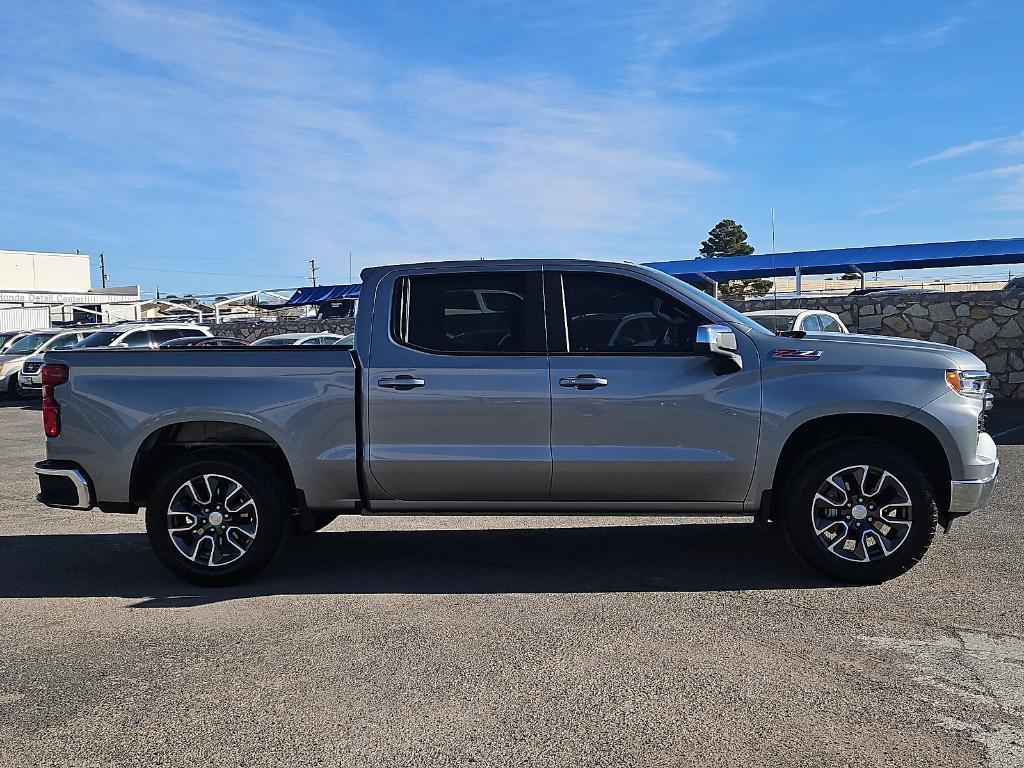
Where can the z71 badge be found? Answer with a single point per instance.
(796, 354)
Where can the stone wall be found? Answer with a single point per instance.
(987, 323)
(250, 330)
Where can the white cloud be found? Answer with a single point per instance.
(1013, 143)
(336, 148)
(1010, 193)
(921, 39)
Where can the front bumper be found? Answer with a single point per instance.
(63, 484)
(966, 496)
(31, 382)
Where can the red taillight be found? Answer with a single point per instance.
(52, 374)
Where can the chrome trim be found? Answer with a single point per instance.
(969, 495)
(78, 478)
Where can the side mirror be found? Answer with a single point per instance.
(720, 341)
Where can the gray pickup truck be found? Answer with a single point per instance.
(521, 387)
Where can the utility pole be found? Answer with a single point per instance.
(312, 271)
(103, 271)
(350, 267)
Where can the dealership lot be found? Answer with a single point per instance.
(506, 641)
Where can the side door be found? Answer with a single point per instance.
(459, 407)
(636, 415)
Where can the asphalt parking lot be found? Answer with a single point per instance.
(506, 641)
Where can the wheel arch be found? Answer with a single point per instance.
(170, 442)
(906, 434)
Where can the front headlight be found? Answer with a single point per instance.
(968, 383)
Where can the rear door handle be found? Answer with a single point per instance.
(401, 382)
(584, 381)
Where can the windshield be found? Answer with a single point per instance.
(29, 344)
(719, 306)
(98, 339)
(64, 342)
(775, 323)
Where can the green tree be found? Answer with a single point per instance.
(729, 239)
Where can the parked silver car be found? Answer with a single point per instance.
(29, 377)
(14, 357)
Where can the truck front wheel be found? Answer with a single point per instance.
(217, 518)
(860, 511)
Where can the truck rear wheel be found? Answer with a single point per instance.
(860, 511)
(217, 518)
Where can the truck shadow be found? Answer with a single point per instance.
(28, 404)
(693, 557)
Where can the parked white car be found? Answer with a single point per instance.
(30, 375)
(300, 339)
(141, 335)
(808, 320)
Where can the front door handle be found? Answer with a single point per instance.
(584, 381)
(402, 382)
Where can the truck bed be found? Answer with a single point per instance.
(301, 399)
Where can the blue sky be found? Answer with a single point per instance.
(219, 146)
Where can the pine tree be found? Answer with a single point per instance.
(729, 239)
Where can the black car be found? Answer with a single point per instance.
(203, 341)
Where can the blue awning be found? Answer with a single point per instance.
(879, 258)
(321, 293)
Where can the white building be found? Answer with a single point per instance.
(40, 289)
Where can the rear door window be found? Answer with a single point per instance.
(166, 334)
(136, 339)
(811, 324)
(478, 313)
(830, 325)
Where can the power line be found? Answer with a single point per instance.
(216, 274)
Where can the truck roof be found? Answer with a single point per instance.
(499, 263)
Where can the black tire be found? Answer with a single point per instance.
(12, 387)
(321, 521)
(801, 510)
(262, 499)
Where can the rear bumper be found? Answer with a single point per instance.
(63, 484)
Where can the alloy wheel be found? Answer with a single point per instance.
(212, 520)
(862, 513)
